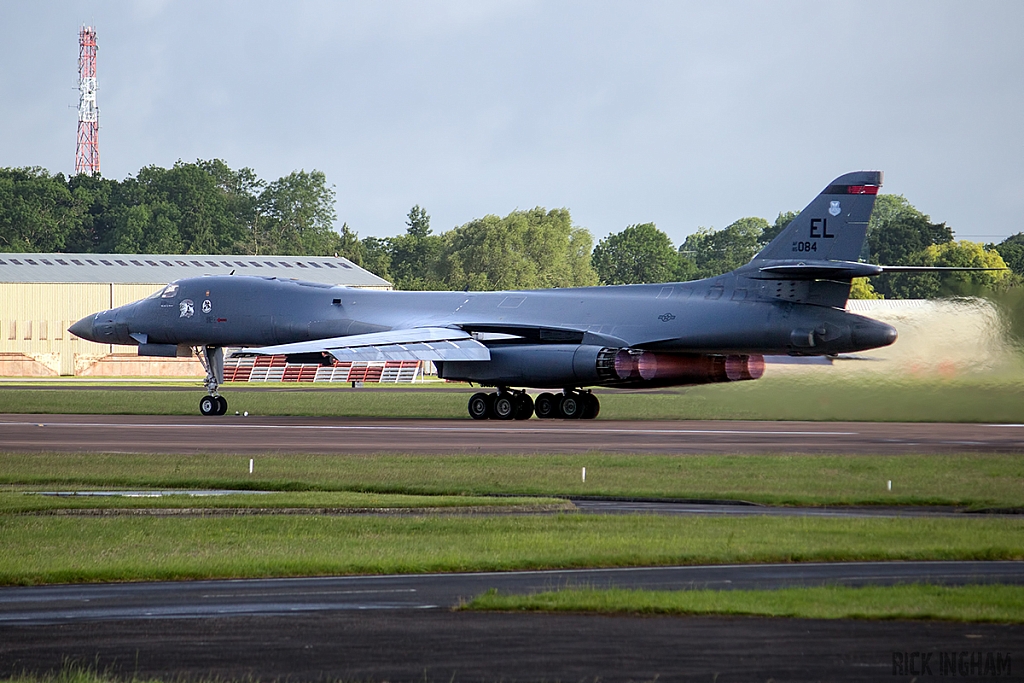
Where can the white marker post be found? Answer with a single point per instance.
(890, 484)
(250, 465)
(584, 474)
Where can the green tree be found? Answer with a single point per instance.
(639, 254)
(898, 234)
(525, 249)
(38, 212)
(377, 256)
(1012, 251)
(861, 288)
(298, 212)
(781, 221)
(415, 255)
(349, 245)
(713, 252)
(964, 254)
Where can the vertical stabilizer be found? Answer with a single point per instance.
(834, 224)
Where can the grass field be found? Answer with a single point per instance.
(785, 397)
(969, 480)
(994, 603)
(18, 502)
(50, 549)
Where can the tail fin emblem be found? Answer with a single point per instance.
(834, 209)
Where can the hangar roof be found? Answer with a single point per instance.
(164, 268)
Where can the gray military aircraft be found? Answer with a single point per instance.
(789, 299)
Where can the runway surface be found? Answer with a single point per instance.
(251, 435)
(196, 599)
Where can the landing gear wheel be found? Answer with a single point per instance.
(524, 406)
(504, 406)
(480, 406)
(209, 405)
(592, 407)
(570, 406)
(546, 406)
(222, 405)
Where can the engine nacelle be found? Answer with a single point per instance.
(638, 368)
(575, 365)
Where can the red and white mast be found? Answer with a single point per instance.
(87, 156)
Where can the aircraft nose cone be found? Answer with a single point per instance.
(84, 328)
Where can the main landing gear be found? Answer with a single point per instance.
(508, 404)
(212, 360)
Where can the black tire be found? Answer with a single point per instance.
(504, 407)
(571, 406)
(208, 405)
(524, 407)
(592, 407)
(546, 406)
(222, 405)
(480, 406)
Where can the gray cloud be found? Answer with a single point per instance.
(685, 114)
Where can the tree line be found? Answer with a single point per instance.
(207, 208)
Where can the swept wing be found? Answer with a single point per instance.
(418, 343)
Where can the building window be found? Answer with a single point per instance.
(120, 262)
(182, 263)
(106, 263)
(15, 261)
(46, 262)
(152, 263)
(136, 263)
(286, 265)
(314, 264)
(300, 264)
(91, 262)
(30, 262)
(60, 261)
(76, 262)
(197, 264)
(255, 264)
(212, 264)
(330, 265)
(270, 263)
(167, 263)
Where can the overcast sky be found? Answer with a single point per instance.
(683, 113)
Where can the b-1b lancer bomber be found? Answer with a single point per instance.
(789, 299)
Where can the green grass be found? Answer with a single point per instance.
(49, 549)
(74, 672)
(22, 502)
(971, 480)
(808, 396)
(995, 603)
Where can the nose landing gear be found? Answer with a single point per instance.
(212, 360)
(508, 404)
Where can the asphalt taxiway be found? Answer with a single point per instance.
(400, 628)
(260, 434)
(200, 599)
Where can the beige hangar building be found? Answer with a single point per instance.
(41, 295)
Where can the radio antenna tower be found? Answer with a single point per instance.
(87, 156)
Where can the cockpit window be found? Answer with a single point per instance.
(170, 291)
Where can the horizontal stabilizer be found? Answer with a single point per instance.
(418, 343)
(844, 270)
(819, 270)
(932, 269)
